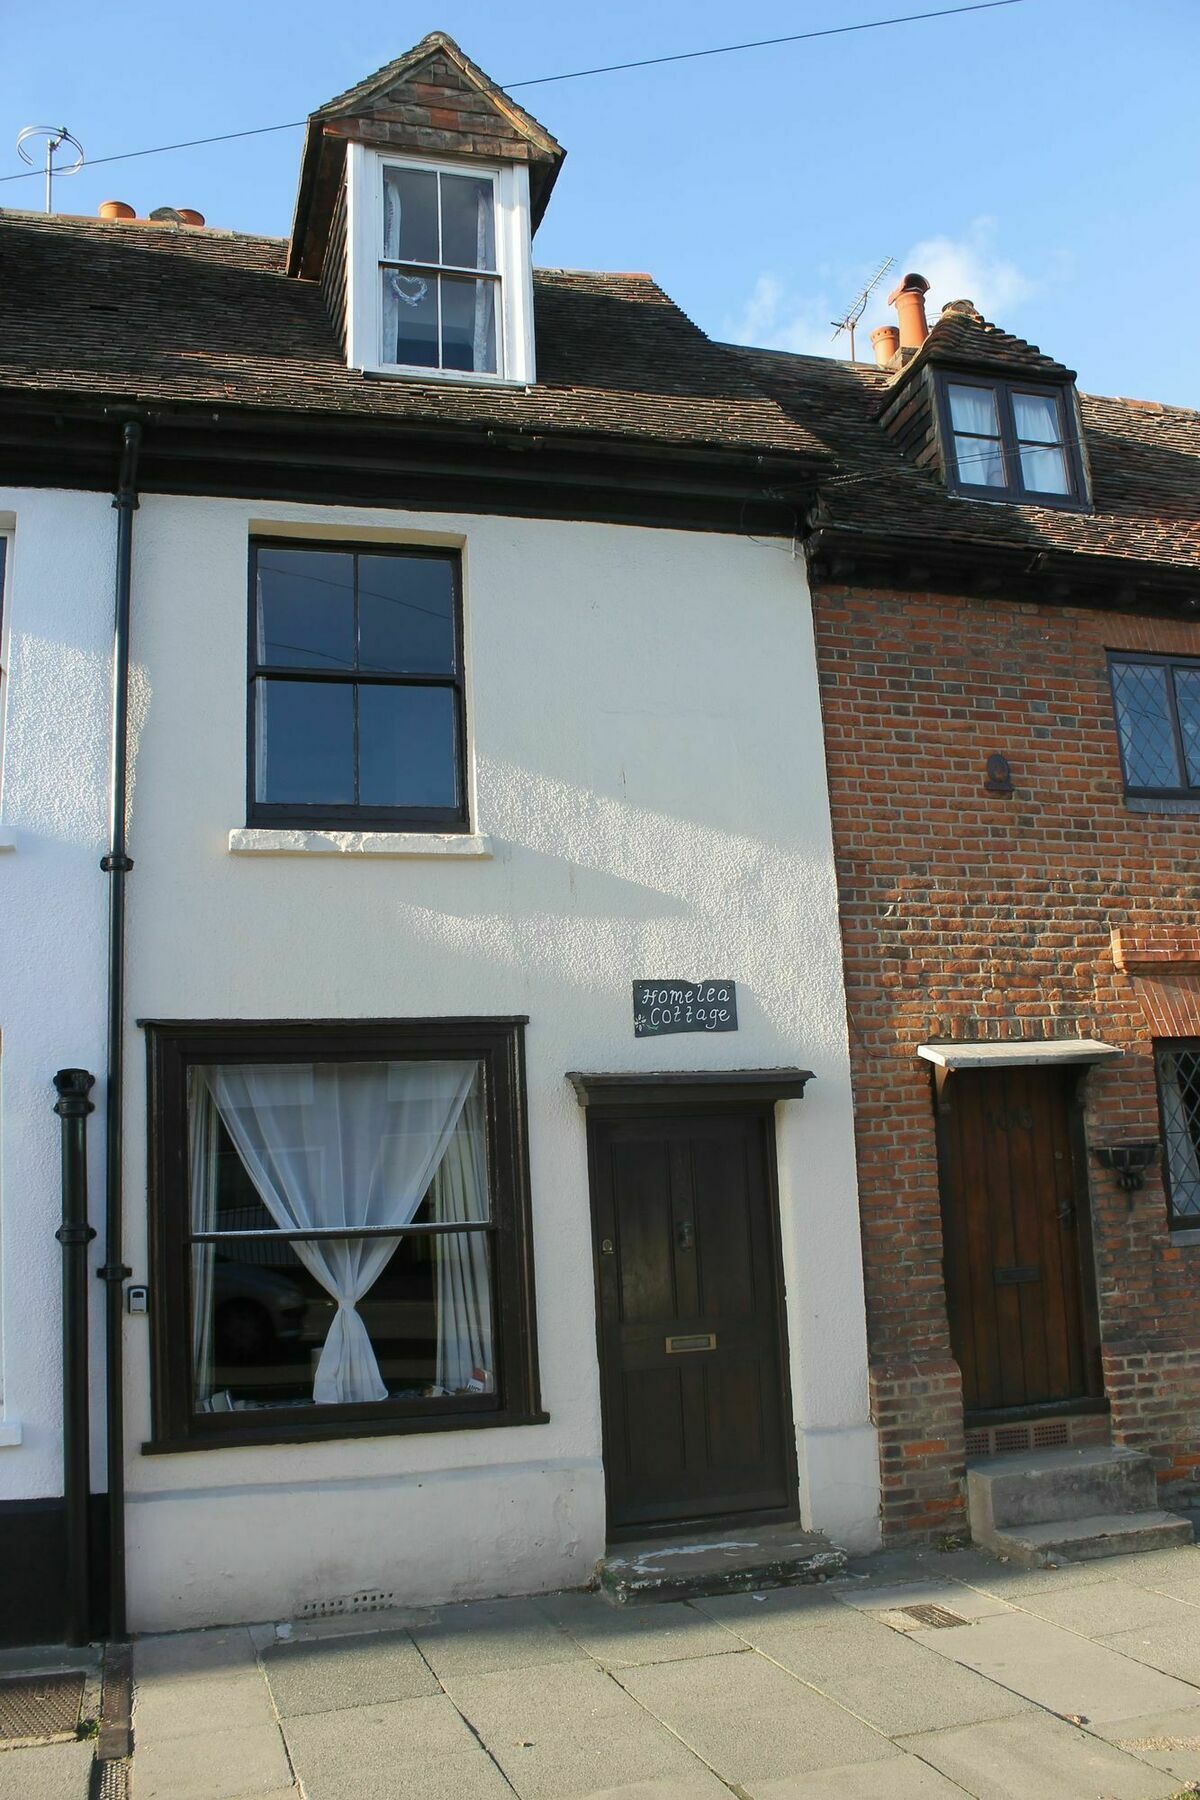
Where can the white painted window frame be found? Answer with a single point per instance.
(7, 557)
(364, 250)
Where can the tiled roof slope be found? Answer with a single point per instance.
(1145, 462)
(967, 337)
(172, 315)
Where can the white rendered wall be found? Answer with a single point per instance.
(648, 696)
(647, 761)
(53, 900)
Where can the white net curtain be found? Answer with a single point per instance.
(360, 1146)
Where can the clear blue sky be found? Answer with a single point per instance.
(1040, 159)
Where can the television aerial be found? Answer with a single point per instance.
(858, 305)
(55, 136)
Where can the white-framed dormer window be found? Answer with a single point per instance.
(440, 272)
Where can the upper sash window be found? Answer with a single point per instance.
(441, 282)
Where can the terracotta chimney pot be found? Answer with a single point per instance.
(909, 302)
(189, 216)
(115, 209)
(885, 341)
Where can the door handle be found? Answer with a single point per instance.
(685, 1235)
(1066, 1214)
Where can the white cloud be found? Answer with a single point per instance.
(968, 267)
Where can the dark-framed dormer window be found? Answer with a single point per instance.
(1010, 440)
(356, 701)
(1156, 700)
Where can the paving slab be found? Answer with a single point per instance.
(46, 1772)
(1154, 1566)
(1106, 1607)
(1172, 1645)
(1170, 1741)
(405, 1750)
(175, 1706)
(1009, 1580)
(1035, 1757)
(214, 1765)
(904, 1692)
(749, 1720)
(1064, 1674)
(482, 1636)
(630, 1635)
(573, 1731)
(955, 1596)
(801, 1609)
(346, 1672)
(225, 1652)
(899, 1778)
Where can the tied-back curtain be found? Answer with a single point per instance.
(391, 248)
(484, 297)
(460, 1192)
(342, 1144)
(202, 1166)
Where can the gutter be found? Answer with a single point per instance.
(117, 865)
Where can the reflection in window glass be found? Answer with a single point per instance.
(406, 614)
(305, 743)
(407, 747)
(436, 220)
(383, 1312)
(1147, 734)
(1179, 1094)
(305, 608)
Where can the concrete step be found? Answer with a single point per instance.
(1037, 1485)
(1083, 1540)
(718, 1562)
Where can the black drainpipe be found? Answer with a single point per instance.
(117, 865)
(75, 1234)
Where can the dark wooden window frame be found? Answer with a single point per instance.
(175, 1045)
(1003, 388)
(1188, 791)
(1175, 1221)
(341, 816)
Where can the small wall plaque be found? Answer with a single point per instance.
(663, 1007)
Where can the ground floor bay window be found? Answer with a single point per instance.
(339, 1227)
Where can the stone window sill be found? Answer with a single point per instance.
(250, 841)
(10, 1433)
(1184, 1238)
(1164, 806)
(8, 838)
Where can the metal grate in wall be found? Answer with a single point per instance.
(1042, 1434)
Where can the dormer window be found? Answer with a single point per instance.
(440, 269)
(1009, 439)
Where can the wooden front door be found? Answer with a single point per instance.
(697, 1419)
(1021, 1315)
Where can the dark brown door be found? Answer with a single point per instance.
(1020, 1317)
(696, 1416)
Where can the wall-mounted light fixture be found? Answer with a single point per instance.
(1129, 1161)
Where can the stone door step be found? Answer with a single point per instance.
(721, 1562)
(1033, 1486)
(1082, 1540)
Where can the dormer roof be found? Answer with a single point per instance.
(431, 102)
(963, 337)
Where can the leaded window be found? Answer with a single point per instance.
(1178, 1069)
(1157, 705)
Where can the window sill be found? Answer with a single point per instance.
(8, 838)
(450, 377)
(264, 841)
(10, 1433)
(353, 1428)
(1183, 1238)
(1164, 804)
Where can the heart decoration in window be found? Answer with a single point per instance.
(409, 288)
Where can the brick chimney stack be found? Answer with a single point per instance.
(909, 302)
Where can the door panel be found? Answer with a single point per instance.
(1014, 1286)
(696, 1418)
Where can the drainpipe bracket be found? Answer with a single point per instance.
(116, 862)
(113, 1272)
(75, 1234)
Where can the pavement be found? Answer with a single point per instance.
(1076, 1683)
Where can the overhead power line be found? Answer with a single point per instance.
(645, 62)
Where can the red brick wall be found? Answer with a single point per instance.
(971, 915)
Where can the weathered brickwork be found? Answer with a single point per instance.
(969, 915)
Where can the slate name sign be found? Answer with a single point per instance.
(662, 1007)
